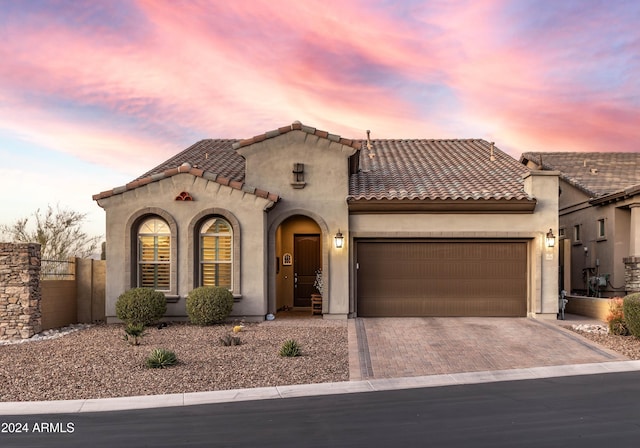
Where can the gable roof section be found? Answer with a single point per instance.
(214, 160)
(218, 161)
(297, 126)
(437, 170)
(597, 174)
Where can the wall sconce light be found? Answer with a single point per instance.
(339, 240)
(551, 239)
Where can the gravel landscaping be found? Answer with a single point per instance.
(628, 346)
(96, 362)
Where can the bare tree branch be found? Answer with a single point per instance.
(59, 233)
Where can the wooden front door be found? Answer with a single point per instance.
(306, 261)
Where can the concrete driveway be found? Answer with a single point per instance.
(402, 347)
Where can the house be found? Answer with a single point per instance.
(397, 227)
(599, 218)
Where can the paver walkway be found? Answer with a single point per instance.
(404, 347)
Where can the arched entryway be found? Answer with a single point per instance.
(299, 256)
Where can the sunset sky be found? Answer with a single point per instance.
(94, 93)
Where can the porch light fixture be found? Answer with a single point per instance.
(551, 239)
(339, 240)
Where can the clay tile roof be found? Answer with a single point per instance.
(436, 169)
(215, 156)
(214, 160)
(595, 173)
(400, 169)
(297, 126)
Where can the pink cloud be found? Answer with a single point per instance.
(529, 91)
(208, 69)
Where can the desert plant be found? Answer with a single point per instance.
(161, 358)
(631, 309)
(133, 333)
(229, 340)
(290, 349)
(143, 306)
(208, 305)
(615, 318)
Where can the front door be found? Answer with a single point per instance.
(306, 261)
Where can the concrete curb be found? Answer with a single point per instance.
(309, 390)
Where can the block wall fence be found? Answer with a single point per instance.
(29, 305)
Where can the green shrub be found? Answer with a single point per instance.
(229, 340)
(141, 306)
(290, 349)
(161, 358)
(209, 305)
(631, 308)
(133, 333)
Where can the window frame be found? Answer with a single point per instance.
(577, 234)
(193, 249)
(156, 262)
(131, 249)
(215, 262)
(601, 229)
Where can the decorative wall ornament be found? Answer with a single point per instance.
(184, 196)
(298, 176)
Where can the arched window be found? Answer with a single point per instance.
(216, 253)
(154, 254)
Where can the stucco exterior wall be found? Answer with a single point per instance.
(571, 196)
(603, 255)
(269, 165)
(123, 212)
(621, 249)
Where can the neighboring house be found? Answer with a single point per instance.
(599, 215)
(427, 227)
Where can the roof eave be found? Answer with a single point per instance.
(617, 196)
(368, 206)
(187, 169)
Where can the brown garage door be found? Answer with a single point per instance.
(461, 278)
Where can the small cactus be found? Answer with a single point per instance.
(290, 349)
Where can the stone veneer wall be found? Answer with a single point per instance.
(632, 274)
(20, 315)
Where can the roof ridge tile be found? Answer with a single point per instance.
(296, 126)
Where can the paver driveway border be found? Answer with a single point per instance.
(406, 347)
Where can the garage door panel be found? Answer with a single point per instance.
(441, 279)
(451, 307)
(441, 288)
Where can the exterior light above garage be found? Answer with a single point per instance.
(339, 240)
(551, 239)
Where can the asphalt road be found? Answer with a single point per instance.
(580, 411)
